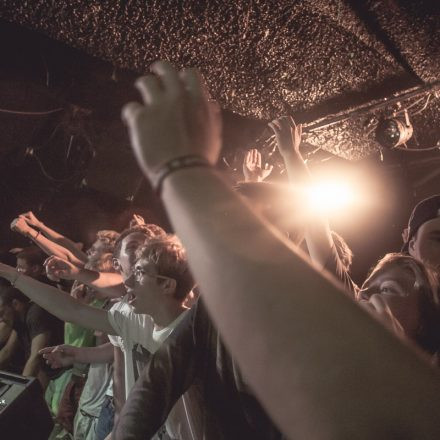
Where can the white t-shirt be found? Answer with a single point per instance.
(138, 338)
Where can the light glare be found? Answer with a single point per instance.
(329, 196)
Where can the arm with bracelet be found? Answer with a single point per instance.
(54, 236)
(46, 245)
(300, 342)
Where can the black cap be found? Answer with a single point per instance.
(424, 211)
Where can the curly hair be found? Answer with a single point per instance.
(170, 260)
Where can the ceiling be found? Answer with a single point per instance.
(263, 59)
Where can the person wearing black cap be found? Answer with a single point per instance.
(422, 237)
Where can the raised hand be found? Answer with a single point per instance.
(30, 219)
(57, 268)
(252, 169)
(59, 356)
(136, 220)
(288, 135)
(177, 118)
(20, 225)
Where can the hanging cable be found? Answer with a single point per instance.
(18, 112)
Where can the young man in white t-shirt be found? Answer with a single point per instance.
(158, 286)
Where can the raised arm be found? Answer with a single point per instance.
(54, 236)
(46, 245)
(66, 355)
(57, 302)
(110, 284)
(305, 348)
(318, 234)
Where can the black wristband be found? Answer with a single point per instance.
(178, 163)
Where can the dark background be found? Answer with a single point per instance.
(261, 60)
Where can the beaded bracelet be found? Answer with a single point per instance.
(173, 165)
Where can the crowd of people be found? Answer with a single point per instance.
(228, 329)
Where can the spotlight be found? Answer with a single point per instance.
(393, 132)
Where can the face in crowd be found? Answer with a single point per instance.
(145, 286)
(32, 270)
(406, 288)
(425, 245)
(124, 262)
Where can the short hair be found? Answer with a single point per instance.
(103, 263)
(427, 284)
(33, 255)
(108, 237)
(170, 260)
(9, 293)
(344, 252)
(150, 230)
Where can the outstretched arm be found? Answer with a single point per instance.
(66, 355)
(54, 236)
(46, 245)
(308, 351)
(57, 302)
(110, 284)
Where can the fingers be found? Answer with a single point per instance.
(194, 84)
(169, 77)
(130, 112)
(47, 350)
(257, 158)
(149, 88)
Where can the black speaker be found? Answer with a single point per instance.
(24, 413)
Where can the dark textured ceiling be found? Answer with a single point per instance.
(263, 59)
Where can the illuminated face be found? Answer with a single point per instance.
(127, 256)
(425, 245)
(7, 314)
(26, 269)
(144, 287)
(97, 249)
(396, 287)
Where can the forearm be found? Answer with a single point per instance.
(101, 354)
(118, 382)
(302, 343)
(62, 241)
(107, 283)
(8, 350)
(317, 233)
(32, 366)
(5, 332)
(59, 303)
(52, 248)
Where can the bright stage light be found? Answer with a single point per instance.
(329, 196)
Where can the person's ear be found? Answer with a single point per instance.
(116, 264)
(168, 285)
(412, 244)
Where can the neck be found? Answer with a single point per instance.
(167, 313)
